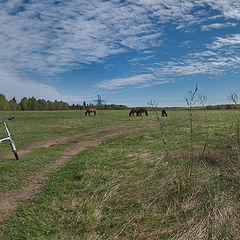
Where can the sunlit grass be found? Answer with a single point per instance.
(128, 188)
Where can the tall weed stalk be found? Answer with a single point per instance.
(233, 97)
(202, 99)
(191, 100)
(152, 104)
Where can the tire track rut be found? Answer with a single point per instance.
(61, 140)
(14, 198)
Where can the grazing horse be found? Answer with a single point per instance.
(138, 112)
(164, 113)
(91, 110)
(142, 110)
(133, 111)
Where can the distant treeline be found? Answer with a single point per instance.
(30, 104)
(208, 107)
(34, 104)
(40, 104)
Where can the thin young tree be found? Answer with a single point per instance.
(191, 100)
(162, 126)
(202, 99)
(233, 97)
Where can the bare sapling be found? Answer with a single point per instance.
(154, 106)
(202, 99)
(191, 100)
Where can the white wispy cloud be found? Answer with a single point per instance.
(49, 37)
(217, 25)
(137, 80)
(52, 38)
(13, 86)
(156, 82)
(230, 41)
(222, 55)
(229, 8)
(143, 58)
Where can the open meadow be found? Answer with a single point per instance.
(112, 176)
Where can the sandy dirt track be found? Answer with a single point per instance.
(13, 199)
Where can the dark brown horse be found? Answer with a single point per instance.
(133, 111)
(91, 110)
(138, 112)
(142, 110)
(164, 113)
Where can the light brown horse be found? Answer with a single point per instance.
(91, 110)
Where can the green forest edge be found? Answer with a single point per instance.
(41, 104)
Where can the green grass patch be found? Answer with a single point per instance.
(129, 188)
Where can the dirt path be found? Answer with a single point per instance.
(13, 199)
(61, 140)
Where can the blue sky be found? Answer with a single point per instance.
(128, 52)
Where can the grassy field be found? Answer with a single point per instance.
(157, 183)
